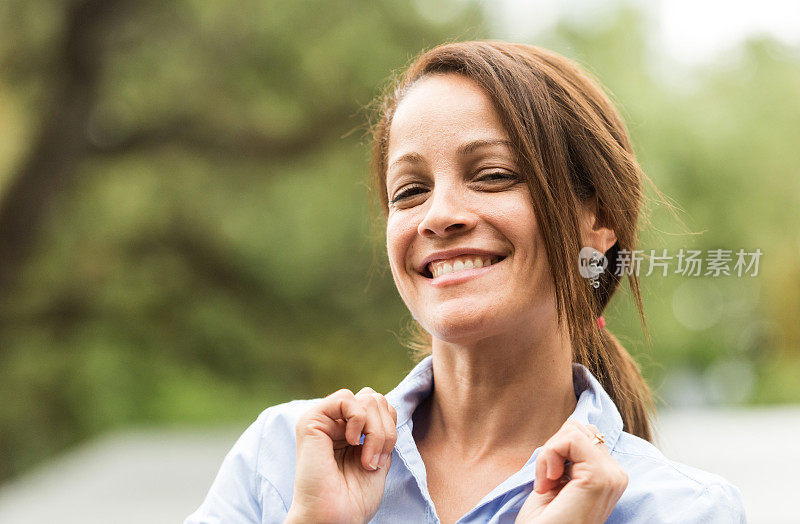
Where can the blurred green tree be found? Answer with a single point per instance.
(184, 221)
(719, 139)
(183, 212)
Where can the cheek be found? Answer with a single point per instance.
(518, 223)
(399, 234)
(515, 219)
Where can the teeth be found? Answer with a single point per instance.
(442, 267)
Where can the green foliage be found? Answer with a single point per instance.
(211, 253)
(719, 140)
(207, 251)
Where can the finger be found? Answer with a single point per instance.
(588, 429)
(324, 417)
(343, 405)
(534, 505)
(549, 469)
(540, 485)
(574, 444)
(374, 432)
(554, 461)
(555, 465)
(340, 441)
(389, 428)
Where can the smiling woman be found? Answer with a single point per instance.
(496, 164)
(565, 162)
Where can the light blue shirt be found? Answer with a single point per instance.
(256, 479)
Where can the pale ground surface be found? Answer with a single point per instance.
(160, 476)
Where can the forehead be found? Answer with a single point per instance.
(440, 111)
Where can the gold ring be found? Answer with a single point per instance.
(599, 438)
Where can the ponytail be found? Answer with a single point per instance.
(621, 378)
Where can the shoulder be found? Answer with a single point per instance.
(280, 419)
(662, 490)
(268, 448)
(274, 444)
(271, 433)
(255, 481)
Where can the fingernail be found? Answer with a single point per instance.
(383, 460)
(374, 463)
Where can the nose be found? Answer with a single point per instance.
(447, 215)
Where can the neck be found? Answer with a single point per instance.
(502, 394)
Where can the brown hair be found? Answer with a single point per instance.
(572, 146)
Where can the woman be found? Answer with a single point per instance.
(495, 163)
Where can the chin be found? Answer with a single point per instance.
(457, 324)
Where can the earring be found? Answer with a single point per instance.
(595, 268)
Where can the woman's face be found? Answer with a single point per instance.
(463, 242)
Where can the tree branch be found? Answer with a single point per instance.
(210, 139)
(52, 161)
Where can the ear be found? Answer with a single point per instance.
(594, 232)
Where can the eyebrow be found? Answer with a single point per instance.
(471, 147)
(462, 150)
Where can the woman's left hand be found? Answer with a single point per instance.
(585, 490)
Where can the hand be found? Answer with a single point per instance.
(584, 490)
(336, 479)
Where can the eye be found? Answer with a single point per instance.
(497, 176)
(408, 192)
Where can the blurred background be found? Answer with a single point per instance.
(187, 235)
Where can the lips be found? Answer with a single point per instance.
(451, 261)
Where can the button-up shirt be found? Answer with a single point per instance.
(255, 482)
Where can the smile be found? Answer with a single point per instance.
(460, 263)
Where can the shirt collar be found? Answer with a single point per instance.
(412, 390)
(594, 406)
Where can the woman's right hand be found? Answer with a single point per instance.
(336, 479)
